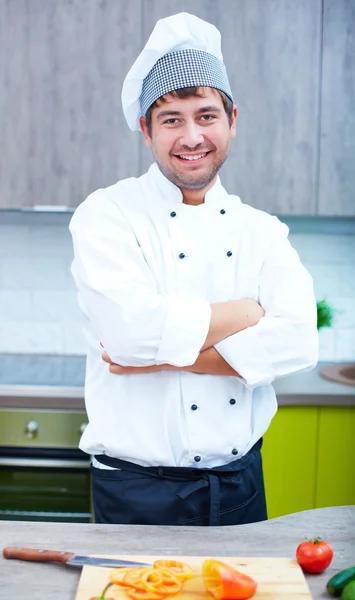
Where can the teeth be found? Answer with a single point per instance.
(192, 157)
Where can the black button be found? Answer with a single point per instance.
(232, 401)
(234, 451)
(181, 255)
(229, 253)
(197, 458)
(194, 407)
(173, 214)
(223, 212)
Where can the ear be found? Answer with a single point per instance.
(233, 129)
(144, 130)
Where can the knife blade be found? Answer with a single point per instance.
(67, 558)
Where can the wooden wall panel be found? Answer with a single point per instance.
(15, 91)
(337, 149)
(271, 50)
(62, 130)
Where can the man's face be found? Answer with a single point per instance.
(190, 138)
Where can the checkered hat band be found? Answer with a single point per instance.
(181, 69)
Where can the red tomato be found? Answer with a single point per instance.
(226, 583)
(314, 556)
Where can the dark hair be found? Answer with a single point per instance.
(187, 93)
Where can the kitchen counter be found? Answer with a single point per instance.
(276, 538)
(310, 388)
(303, 389)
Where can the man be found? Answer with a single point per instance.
(195, 301)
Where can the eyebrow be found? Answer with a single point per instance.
(176, 113)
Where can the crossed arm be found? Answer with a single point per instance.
(227, 318)
(144, 331)
(208, 361)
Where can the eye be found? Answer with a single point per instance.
(207, 118)
(171, 121)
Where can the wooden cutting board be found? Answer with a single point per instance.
(277, 578)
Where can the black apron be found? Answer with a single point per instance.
(226, 495)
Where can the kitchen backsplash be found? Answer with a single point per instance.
(38, 308)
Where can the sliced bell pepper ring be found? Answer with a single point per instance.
(152, 580)
(161, 581)
(133, 577)
(118, 574)
(181, 570)
(226, 583)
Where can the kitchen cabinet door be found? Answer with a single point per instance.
(336, 457)
(290, 460)
(62, 130)
(337, 141)
(271, 51)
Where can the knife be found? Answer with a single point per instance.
(67, 558)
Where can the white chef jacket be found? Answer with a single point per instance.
(147, 268)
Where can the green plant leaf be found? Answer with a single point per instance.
(325, 314)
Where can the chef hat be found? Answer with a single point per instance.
(182, 51)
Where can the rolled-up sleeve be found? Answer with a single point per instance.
(117, 292)
(286, 339)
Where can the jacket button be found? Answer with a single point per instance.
(232, 401)
(229, 253)
(181, 255)
(223, 212)
(194, 407)
(235, 451)
(197, 458)
(173, 214)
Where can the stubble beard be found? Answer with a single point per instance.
(193, 182)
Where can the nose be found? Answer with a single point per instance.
(191, 136)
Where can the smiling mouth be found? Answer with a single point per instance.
(192, 157)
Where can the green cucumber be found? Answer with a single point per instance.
(338, 582)
(348, 592)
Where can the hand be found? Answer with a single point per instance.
(209, 361)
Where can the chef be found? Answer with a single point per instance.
(193, 304)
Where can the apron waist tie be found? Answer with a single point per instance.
(215, 499)
(194, 478)
(213, 482)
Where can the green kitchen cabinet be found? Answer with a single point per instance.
(336, 457)
(290, 460)
(309, 458)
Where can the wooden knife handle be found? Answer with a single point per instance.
(34, 554)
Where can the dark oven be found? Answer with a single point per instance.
(43, 474)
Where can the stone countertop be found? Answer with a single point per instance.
(310, 388)
(275, 538)
(303, 389)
